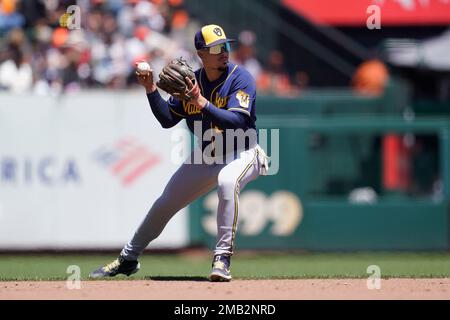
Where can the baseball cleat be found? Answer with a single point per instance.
(220, 269)
(118, 266)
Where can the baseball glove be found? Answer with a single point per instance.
(172, 79)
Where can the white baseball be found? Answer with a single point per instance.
(143, 67)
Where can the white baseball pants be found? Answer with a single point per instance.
(191, 181)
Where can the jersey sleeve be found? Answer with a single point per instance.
(243, 94)
(176, 108)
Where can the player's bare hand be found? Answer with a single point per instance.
(194, 93)
(145, 77)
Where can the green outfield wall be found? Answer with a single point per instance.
(328, 193)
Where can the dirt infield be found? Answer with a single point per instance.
(193, 289)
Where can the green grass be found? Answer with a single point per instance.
(244, 266)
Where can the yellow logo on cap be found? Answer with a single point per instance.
(211, 33)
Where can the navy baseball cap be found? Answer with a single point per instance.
(209, 36)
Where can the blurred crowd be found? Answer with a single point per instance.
(41, 53)
(272, 76)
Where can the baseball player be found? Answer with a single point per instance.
(222, 97)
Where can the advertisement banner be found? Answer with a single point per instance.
(356, 13)
(81, 171)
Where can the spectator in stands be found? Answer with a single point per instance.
(9, 17)
(275, 80)
(32, 11)
(370, 78)
(245, 53)
(300, 82)
(15, 73)
(113, 34)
